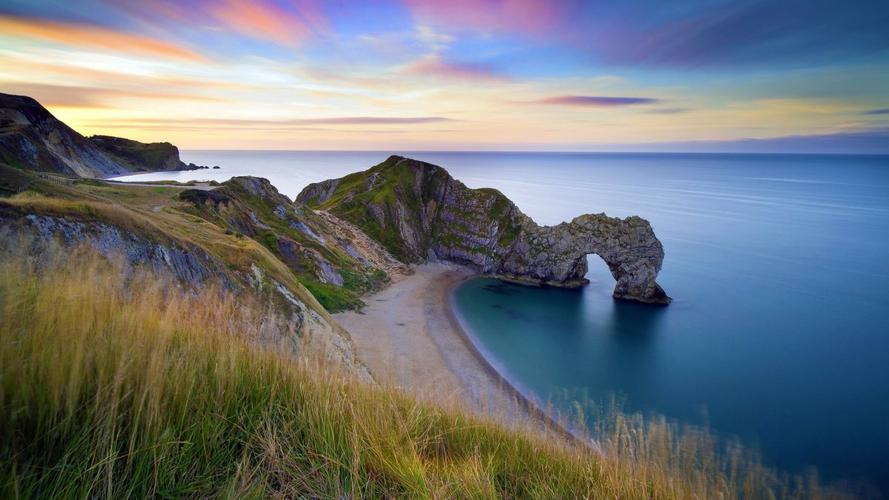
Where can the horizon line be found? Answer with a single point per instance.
(535, 151)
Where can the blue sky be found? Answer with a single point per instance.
(462, 74)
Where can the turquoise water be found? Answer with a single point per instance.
(778, 264)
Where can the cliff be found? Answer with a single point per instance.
(31, 138)
(335, 260)
(139, 156)
(153, 227)
(419, 212)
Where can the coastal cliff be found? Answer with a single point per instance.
(139, 156)
(151, 227)
(32, 138)
(335, 260)
(418, 212)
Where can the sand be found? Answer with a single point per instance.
(408, 337)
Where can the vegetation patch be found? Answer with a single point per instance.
(333, 298)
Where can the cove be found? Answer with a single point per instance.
(777, 267)
(559, 345)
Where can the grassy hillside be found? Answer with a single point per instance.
(239, 228)
(295, 235)
(116, 386)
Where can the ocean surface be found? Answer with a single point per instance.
(779, 270)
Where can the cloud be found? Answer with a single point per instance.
(668, 111)
(285, 23)
(92, 97)
(283, 124)
(436, 67)
(880, 111)
(92, 36)
(183, 127)
(260, 20)
(596, 101)
(691, 33)
(434, 40)
(701, 33)
(372, 120)
(523, 16)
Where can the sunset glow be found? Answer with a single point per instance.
(459, 75)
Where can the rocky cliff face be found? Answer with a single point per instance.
(334, 259)
(419, 212)
(32, 138)
(138, 156)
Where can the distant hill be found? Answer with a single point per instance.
(31, 138)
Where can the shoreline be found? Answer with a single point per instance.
(409, 335)
(526, 400)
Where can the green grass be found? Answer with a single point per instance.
(395, 185)
(332, 297)
(362, 282)
(116, 385)
(231, 212)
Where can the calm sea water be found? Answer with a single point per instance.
(778, 264)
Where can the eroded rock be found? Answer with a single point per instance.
(418, 212)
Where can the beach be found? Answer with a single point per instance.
(409, 338)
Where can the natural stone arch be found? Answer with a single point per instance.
(556, 255)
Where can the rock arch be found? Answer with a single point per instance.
(556, 255)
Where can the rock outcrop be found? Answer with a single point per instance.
(334, 259)
(31, 138)
(419, 212)
(139, 156)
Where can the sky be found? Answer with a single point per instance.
(681, 75)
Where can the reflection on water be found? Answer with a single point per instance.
(633, 323)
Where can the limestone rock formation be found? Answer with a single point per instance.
(419, 212)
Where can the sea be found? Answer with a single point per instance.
(778, 266)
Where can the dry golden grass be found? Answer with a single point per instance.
(169, 226)
(116, 386)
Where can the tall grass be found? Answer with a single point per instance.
(120, 385)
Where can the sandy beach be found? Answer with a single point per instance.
(408, 338)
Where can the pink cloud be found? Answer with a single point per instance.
(596, 101)
(260, 20)
(286, 24)
(522, 16)
(435, 66)
(93, 36)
